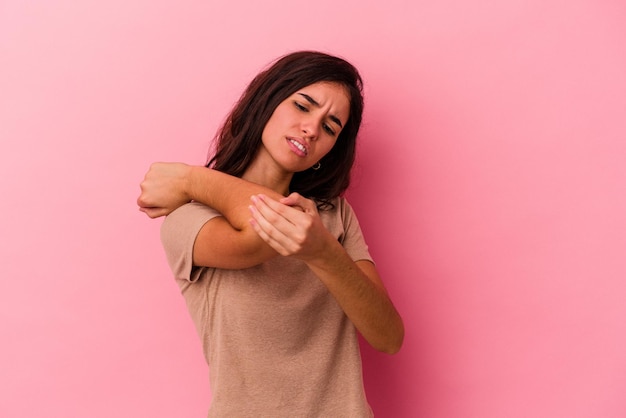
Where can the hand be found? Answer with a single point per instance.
(291, 226)
(163, 189)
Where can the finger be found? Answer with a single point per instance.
(279, 215)
(290, 207)
(286, 225)
(271, 222)
(141, 202)
(153, 212)
(145, 203)
(292, 199)
(282, 224)
(297, 200)
(267, 232)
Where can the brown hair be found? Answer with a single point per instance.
(239, 138)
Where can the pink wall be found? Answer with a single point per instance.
(490, 185)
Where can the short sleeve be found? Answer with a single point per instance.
(352, 239)
(178, 235)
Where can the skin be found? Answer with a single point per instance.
(314, 126)
(259, 222)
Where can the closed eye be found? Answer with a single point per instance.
(328, 129)
(300, 107)
(325, 126)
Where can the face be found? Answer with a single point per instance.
(305, 126)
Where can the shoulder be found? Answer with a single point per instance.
(178, 235)
(340, 215)
(338, 206)
(341, 221)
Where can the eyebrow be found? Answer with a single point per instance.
(314, 103)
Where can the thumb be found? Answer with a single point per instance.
(294, 199)
(154, 212)
(298, 201)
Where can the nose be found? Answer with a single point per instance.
(310, 128)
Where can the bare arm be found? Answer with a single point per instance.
(356, 286)
(257, 227)
(168, 186)
(358, 289)
(224, 242)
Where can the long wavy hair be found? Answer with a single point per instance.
(238, 140)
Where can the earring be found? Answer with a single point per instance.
(317, 166)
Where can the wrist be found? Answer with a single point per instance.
(191, 184)
(327, 254)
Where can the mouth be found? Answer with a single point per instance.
(298, 147)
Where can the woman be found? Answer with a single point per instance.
(268, 255)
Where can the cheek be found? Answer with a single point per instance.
(270, 129)
(277, 122)
(327, 147)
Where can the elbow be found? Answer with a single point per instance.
(396, 344)
(393, 342)
(392, 347)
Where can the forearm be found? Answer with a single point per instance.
(227, 194)
(230, 196)
(365, 301)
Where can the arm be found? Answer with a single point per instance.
(236, 241)
(356, 286)
(358, 289)
(224, 242)
(168, 186)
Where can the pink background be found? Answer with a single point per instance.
(490, 185)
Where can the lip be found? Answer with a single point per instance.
(300, 141)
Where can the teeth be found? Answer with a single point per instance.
(299, 146)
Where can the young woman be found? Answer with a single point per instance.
(269, 257)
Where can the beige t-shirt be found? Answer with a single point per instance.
(276, 341)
